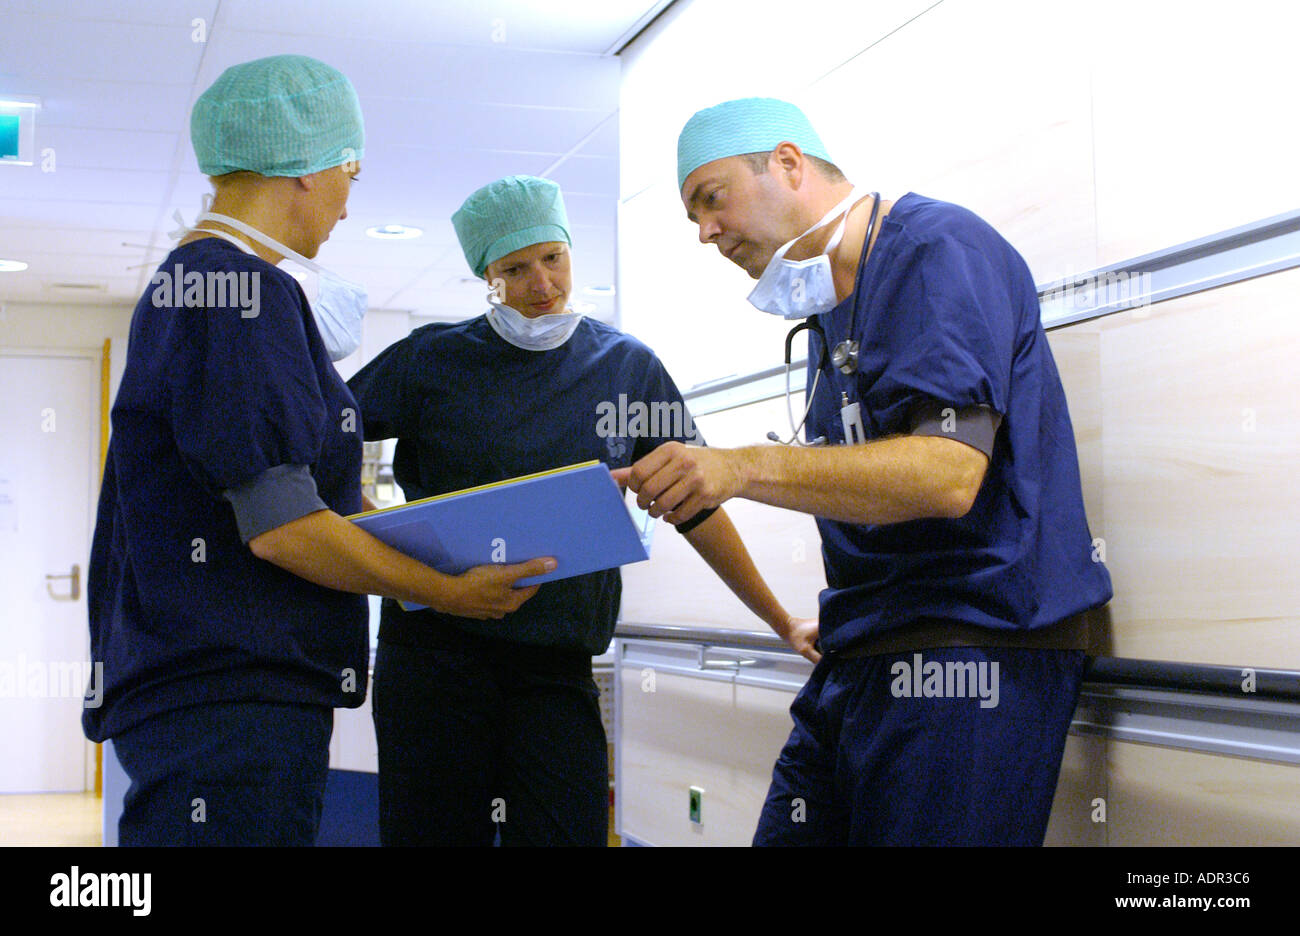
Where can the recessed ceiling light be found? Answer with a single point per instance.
(598, 290)
(12, 266)
(394, 232)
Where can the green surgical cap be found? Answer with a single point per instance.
(508, 215)
(747, 125)
(287, 115)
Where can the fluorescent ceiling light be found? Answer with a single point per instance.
(12, 266)
(394, 232)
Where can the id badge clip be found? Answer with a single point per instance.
(851, 417)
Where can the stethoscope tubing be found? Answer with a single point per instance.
(845, 349)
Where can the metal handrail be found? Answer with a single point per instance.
(1101, 671)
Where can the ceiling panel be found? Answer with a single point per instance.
(570, 26)
(86, 266)
(150, 12)
(582, 175)
(452, 124)
(37, 47)
(589, 210)
(492, 73)
(456, 93)
(110, 105)
(76, 216)
(58, 239)
(77, 185)
(85, 148)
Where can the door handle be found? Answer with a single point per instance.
(75, 575)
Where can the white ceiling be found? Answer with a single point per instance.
(455, 93)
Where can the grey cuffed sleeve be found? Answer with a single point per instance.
(277, 496)
(976, 426)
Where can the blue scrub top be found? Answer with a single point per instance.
(946, 310)
(181, 611)
(469, 408)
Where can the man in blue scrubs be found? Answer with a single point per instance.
(487, 727)
(959, 564)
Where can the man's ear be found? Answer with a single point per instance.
(791, 162)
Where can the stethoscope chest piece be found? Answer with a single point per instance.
(845, 356)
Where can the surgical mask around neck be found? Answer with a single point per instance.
(337, 305)
(532, 334)
(796, 289)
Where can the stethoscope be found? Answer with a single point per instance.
(844, 356)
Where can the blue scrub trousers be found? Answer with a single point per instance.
(867, 766)
(477, 741)
(228, 773)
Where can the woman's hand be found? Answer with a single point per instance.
(488, 591)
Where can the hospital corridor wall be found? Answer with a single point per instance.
(48, 609)
(1089, 135)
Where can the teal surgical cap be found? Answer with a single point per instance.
(508, 215)
(747, 125)
(287, 115)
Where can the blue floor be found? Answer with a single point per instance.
(351, 814)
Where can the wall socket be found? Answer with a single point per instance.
(697, 803)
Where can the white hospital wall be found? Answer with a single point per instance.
(32, 326)
(35, 327)
(1087, 133)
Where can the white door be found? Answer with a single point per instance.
(49, 472)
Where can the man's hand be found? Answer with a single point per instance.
(801, 635)
(677, 481)
(488, 591)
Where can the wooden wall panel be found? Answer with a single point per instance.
(974, 103)
(1201, 427)
(677, 587)
(1082, 781)
(1159, 796)
(1077, 351)
(722, 737)
(1190, 136)
(1087, 134)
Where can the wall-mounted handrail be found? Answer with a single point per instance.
(1241, 253)
(715, 636)
(1236, 681)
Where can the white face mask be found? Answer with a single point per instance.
(796, 289)
(338, 305)
(532, 334)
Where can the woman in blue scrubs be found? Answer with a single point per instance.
(225, 590)
(494, 727)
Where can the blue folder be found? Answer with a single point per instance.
(575, 514)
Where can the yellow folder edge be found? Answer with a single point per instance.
(481, 487)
